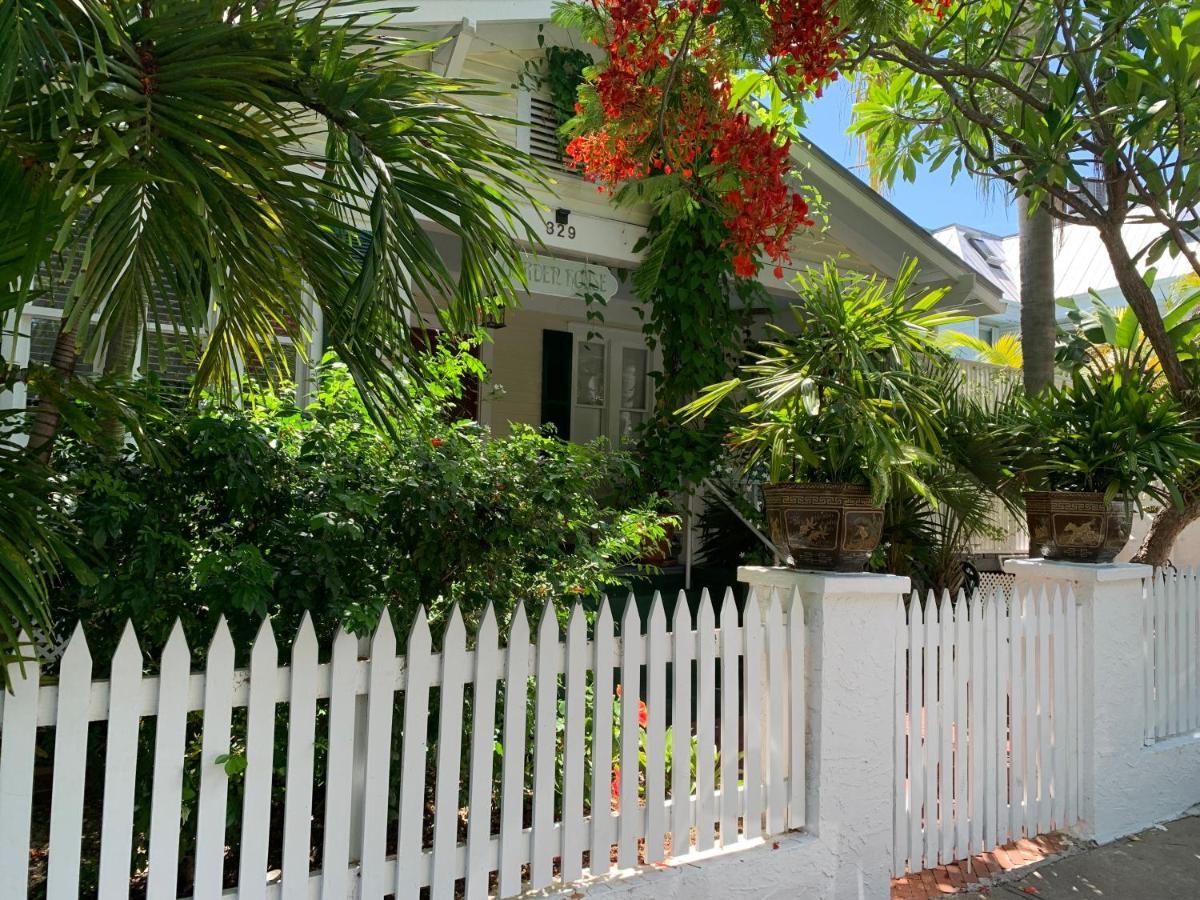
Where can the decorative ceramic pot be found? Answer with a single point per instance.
(1077, 525)
(833, 527)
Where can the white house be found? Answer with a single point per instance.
(1081, 265)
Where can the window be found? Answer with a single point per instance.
(540, 138)
(611, 391)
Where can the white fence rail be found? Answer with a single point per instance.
(1172, 655)
(986, 730)
(572, 790)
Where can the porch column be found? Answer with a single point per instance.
(850, 646)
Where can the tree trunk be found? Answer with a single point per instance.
(120, 351)
(1164, 530)
(1145, 306)
(1037, 295)
(46, 417)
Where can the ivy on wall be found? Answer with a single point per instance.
(698, 314)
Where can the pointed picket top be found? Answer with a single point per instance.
(752, 614)
(706, 612)
(577, 622)
(547, 632)
(604, 617)
(78, 654)
(306, 638)
(631, 620)
(488, 632)
(728, 608)
(961, 604)
(383, 641)
(221, 644)
(658, 613)
(775, 612)
(455, 633)
(264, 648)
(176, 652)
(518, 625)
(682, 618)
(128, 654)
(420, 641)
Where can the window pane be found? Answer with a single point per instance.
(586, 424)
(174, 357)
(633, 378)
(589, 378)
(629, 423)
(42, 335)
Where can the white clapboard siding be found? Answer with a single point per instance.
(1172, 654)
(554, 814)
(986, 723)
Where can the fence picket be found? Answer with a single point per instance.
(339, 773)
(16, 773)
(512, 794)
(70, 762)
(449, 757)
(797, 714)
(730, 694)
(298, 794)
(542, 842)
(574, 831)
(120, 769)
(483, 708)
(752, 719)
(945, 706)
(683, 643)
(933, 726)
(631, 662)
(962, 670)
(381, 687)
(1159, 597)
(916, 731)
(656, 723)
(776, 681)
(1193, 642)
(604, 656)
(1074, 751)
(411, 825)
(1016, 700)
(706, 692)
(977, 716)
(1058, 811)
(1045, 722)
(1029, 631)
(167, 788)
(900, 728)
(260, 752)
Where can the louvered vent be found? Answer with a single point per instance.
(544, 144)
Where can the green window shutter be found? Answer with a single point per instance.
(556, 381)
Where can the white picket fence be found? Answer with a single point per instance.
(1172, 655)
(986, 724)
(733, 696)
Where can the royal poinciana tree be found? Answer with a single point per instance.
(1088, 108)
(693, 110)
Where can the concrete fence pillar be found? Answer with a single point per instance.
(850, 625)
(1116, 798)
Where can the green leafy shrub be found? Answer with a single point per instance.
(271, 510)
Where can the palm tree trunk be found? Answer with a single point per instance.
(46, 417)
(120, 351)
(1036, 237)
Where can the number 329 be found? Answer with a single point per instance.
(567, 231)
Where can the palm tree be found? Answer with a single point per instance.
(213, 164)
(1038, 326)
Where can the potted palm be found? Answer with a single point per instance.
(1095, 449)
(838, 407)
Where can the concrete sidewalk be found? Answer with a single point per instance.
(1162, 863)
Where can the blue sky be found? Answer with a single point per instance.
(933, 200)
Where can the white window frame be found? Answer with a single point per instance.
(614, 341)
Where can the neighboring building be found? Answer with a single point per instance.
(1081, 265)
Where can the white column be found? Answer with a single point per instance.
(850, 626)
(1119, 793)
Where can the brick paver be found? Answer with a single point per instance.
(935, 883)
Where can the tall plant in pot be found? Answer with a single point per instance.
(839, 407)
(1096, 448)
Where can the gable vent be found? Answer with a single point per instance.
(544, 144)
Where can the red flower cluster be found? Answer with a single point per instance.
(729, 158)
